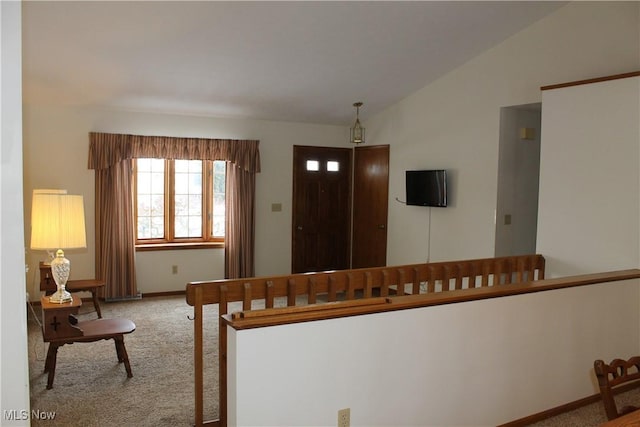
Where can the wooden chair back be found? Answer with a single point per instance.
(612, 375)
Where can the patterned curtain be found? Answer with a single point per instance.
(110, 155)
(239, 223)
(115, 231)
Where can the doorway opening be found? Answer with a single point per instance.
(518, 178)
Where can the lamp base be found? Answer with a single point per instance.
(60, 268)
(60, 296)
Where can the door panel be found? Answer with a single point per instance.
(370, 203)
(321, 208)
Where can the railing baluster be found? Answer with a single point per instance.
(486, 273)
(312, 292)
(473, 274)
(368, 285)
(401, 282)
(497, 273)
(531, 268)
(433, 278)
(446, 278)
(246, 298)
(332, 296)
(198, 358)
(416, 282)
(269, 294)
(384, 289)
(521, 268)
(350, 292)
(509, 271)
(223, 308)
(291, 292)
(458, 273)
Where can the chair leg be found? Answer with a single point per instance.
(50, 364)
(123, 357)
(47, 361)
(96, 303)
(116, 340)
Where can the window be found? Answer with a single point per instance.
(331, 166)
(313, 165)
(179, 201)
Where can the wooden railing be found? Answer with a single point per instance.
(578, 319)
(331, 286)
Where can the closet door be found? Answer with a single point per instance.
(370, 206)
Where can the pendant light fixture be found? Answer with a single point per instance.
(357, 131)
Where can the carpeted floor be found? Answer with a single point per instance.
(92, 389)
(591, 415)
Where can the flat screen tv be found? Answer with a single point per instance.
(427, 188)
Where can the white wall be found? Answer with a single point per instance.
(454, 122)
(589, 216)
(58, 134)
(14, 375)
(480, 363)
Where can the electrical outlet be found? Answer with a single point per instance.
(174, 269)
(344, 416)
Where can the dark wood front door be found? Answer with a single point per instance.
(321, 208)
(370, 202)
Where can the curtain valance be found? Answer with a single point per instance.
(107, 149)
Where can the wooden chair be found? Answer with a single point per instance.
(614, 374)
(60, 327)
(93, 330)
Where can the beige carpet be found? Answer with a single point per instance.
(92, 389)
(591, 415)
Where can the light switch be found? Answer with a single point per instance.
(276, 207)
(507, 219)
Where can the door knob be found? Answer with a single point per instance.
(381, 226)
(299, 228)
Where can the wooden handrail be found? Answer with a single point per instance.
(489, 270)
(307, 309)
(288, 315)
(412, 279)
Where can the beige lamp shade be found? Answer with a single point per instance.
(57, 220)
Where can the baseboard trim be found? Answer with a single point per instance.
(125, 298)
(568, 407)
(163, 294)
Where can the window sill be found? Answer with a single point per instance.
(178, 246)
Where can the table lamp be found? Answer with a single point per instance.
(57, 221)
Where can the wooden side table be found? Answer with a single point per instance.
(48, 285)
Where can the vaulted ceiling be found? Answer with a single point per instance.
(290, 61)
